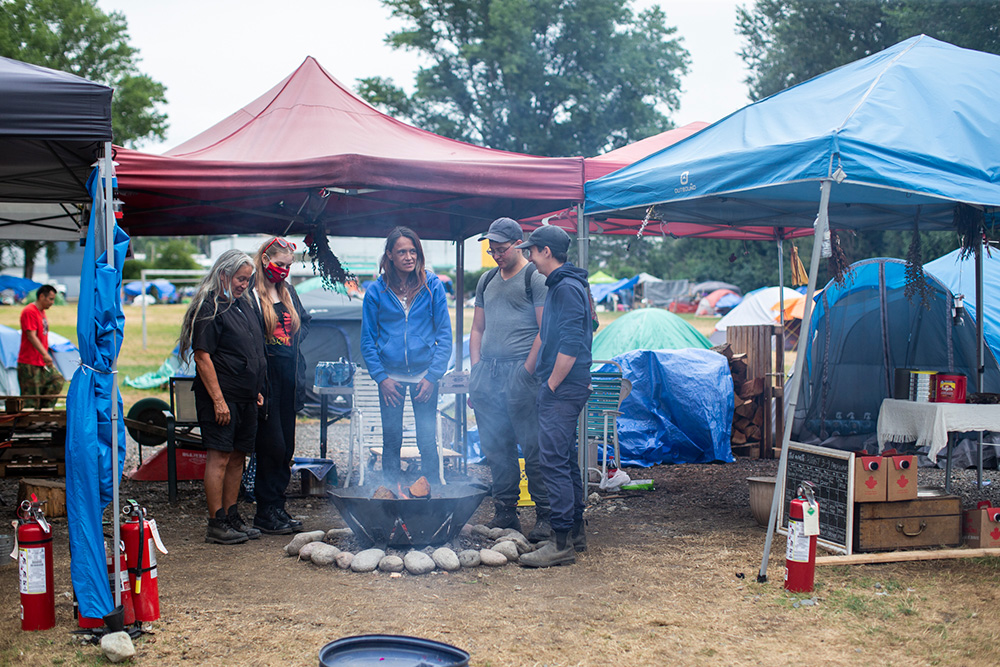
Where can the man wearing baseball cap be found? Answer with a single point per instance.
(503, 348)
(563, 368)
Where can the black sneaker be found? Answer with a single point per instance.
(237, 522)
(505, 517)
(220, 532)
(294, 523)
(270, 523)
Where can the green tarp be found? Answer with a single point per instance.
(647, 329)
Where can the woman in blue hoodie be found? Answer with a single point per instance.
(406, 344)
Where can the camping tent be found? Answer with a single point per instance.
(64, 354)
(646, 329)
(309, 152)
(959, 276)
(862, 331)
(706, 305)
(757, 307)
(165, 289)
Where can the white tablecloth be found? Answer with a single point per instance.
(930, 423)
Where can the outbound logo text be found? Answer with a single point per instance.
(685, 186)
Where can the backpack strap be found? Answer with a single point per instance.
(528, 271)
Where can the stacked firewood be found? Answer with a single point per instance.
(748, 412)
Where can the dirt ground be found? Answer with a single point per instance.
(669, 578)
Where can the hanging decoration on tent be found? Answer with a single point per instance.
(799, 275)
(970, 221)
(840, 267)
(324, 262)
(642, 227)
(916, 280)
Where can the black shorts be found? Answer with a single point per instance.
(239, 434)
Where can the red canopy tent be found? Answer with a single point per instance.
(602, 165)
(310, 153)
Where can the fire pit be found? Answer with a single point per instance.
(406, 522)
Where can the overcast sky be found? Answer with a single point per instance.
(215, 56)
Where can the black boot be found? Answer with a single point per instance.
(270, 523)
(237, 522)
(505, 516)
(294, 523)
(542, 530)
(579, 535)
(554, 552)
(220, 532)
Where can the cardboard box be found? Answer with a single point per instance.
(901, 477)
(869, 479)
(981, 527)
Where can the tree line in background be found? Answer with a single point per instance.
(550, 77)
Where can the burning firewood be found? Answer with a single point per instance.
(420, 488)
(382, 493)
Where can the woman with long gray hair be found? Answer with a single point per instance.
(221, 328)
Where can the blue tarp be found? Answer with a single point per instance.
(680, 409)
(100, 327)
(912, 129)
(165, 288)
(602, 291)
(20, 286)
(960, 277)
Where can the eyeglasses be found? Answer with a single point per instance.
(282, 243)
(498, 253)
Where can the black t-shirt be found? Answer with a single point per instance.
(282, 334)
(235, 342)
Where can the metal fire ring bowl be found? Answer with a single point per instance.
(409, 522)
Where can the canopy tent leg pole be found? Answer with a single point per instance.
(582, 237)
(109, 218)
(460, 406)
(781, 280)
(583, 245)
(142, 278)
(980, 348)
(822, 224)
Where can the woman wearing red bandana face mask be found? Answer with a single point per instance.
(285, 324)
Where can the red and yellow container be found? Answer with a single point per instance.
(949, 388)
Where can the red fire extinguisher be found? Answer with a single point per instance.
(123, 585)
(34, 564)
(140, 537)
(803, 527)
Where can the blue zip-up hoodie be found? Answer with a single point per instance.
(394, 341)
(566, 323)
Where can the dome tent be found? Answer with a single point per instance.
(646, 329)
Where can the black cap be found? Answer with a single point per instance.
(555, 238)
(503, 230)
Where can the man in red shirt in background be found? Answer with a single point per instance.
(36, 372)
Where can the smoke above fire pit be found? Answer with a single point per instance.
(409, 522)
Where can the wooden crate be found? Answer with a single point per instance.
(932, 520)
(50, 491)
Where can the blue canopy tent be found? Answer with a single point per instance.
(892, 141)
(53, 127)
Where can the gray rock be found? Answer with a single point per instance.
(523, 545)
(509, 533)
(302, 539)
(469, 558)
(808, 602)
(323, 554)
(417, 562)
(305, 553)
(491, 558)
(594, 498)
(446, 559)
(508, 549)
(367, 560)
(479, 530)
(496, 533)
(344, 559)
(117, 646)
(337, 534)
(466, 530)
(391, 564)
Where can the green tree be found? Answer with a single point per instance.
(176, 254)
(76, 36)
(548, 77)
(790, 41)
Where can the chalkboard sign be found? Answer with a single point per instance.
(832, 473)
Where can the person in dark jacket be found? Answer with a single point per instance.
(563, 368)
(222, 329)
(406, 344)
(285, 324)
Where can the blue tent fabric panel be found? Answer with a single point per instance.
(680, 409)
(20, 286)
(960, 277)
(602, 291)
(910, 128)
(89, 450)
